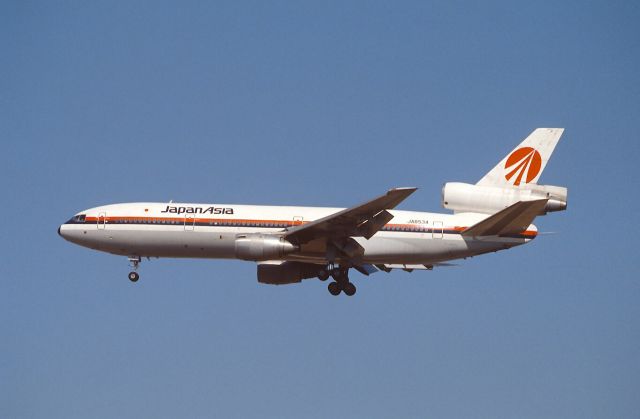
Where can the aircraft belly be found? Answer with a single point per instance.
(215, 242)
(168, 242)
(423, 249)
(405, 249)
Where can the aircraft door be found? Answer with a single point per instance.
(438, 230)
(102, 220)
(189, 222)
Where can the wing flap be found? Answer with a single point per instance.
(387, 267)
(366, 269)
(512, 220)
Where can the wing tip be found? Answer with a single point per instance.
(409, 189)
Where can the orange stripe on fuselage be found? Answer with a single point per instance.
(212, 221)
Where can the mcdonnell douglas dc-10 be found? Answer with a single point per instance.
(295, 243)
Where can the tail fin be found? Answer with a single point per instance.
(526, 162)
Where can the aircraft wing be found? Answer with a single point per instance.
(363, 220)
(511, 220)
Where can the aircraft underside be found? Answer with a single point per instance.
(399, 249)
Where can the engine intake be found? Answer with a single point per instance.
(262, 247)
(463, 197)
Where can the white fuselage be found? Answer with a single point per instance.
(211, 230)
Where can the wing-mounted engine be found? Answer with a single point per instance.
(463, 197)
(258, 247)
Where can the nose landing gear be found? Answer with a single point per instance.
(135, 262)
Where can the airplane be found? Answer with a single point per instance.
(291, 243)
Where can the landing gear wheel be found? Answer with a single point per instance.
(334, 288)
(133, 276)
(349, 288)
(323, 275)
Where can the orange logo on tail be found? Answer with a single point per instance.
(523, 160)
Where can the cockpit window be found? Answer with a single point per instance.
(79, 218)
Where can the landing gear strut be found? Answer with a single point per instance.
(135, 262)
(341, 282)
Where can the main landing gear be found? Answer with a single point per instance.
(341, 281)
(135, 262)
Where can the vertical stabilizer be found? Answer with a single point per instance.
(525, 163)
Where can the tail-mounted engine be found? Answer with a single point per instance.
(463, 197)
(262, 247)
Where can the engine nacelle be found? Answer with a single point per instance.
(463, 197)
(286, 272)
(262, 247)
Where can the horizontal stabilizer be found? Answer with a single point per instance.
(512, 220)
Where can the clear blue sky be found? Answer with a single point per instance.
(316, 104)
